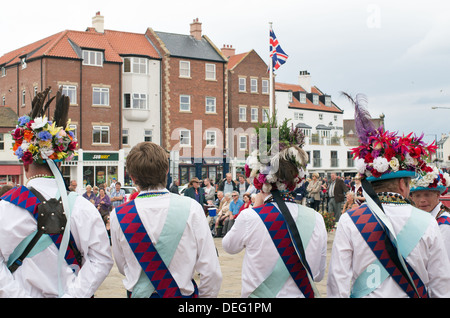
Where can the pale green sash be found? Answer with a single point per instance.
(375, 274)
(44, 242)
(272, 285)
(179, 210)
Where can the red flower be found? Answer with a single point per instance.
(247, 171)
(73, 145)
(27, 158)
(389, 153)
(415, 152)
(258, 185)
(368, 158)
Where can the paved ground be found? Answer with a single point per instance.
(112, 287)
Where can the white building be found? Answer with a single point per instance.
(443, 152)
(321, 121)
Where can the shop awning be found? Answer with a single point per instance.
(10, 170)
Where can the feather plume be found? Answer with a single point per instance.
(61, 114)
(38, 105)
(363, 121)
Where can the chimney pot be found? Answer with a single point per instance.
(228, 50)
(196, 29)
(98, 23)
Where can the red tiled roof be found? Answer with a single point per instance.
(113, 43)
(309, 104)
(236, 59)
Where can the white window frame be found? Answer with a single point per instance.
(188, 103)
(265, 86)
(316, 99)
(242, 142)
(210, 105)
(302, 98)
(242, 113)
(126, 133)
(148, 135)
(298, 116)
(254, 114)
(242, 84)
(211, 138)
(210, 72)
(71, 92)
(185, 69)
(265, 115)
(3, 71)
(103, 95)
(92, 58)
(185, 138)
(328, 101)
(253, 85)
(290, 96)
(23, 97)
(102, 130)
(73, 128)
(139, 101)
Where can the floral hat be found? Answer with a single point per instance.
(283, 143)
(383, 154)
(431, 178)
(37, 139)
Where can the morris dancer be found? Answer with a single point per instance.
(425, 192)
(386, 247)
(274, 264)
(160, 239)
(52, 267)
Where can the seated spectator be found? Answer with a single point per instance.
(89, 194)
(103, 203)
(235, 206)
(222, 214)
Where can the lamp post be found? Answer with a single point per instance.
(436, 107)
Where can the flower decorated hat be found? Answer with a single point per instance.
(383, 154)
(431, 179)
(279, 147)
(37, 139)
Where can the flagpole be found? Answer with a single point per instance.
(271, 92)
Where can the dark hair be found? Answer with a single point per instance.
(148, 164)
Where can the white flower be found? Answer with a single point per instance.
(46, 152)
(446, 179)
(360, 165)
(380, 164)
(39, 122)
(271, 178)
(394, 164)
(25, 145)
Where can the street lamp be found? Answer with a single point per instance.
(435, 107)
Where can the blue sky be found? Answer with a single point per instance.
(395, 53)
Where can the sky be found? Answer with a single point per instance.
(397, 53)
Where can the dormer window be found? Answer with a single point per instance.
(290, 96)
(316, 99)
(328, 101)
(93, 58)
(23, 63)
(302, 98)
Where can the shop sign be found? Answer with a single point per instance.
(92, 156)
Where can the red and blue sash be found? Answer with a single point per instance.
(24, 198)
(373, 234)
(276, 225)
(443, 219)
(146, 253)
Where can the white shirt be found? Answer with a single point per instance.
(261, 255)
(445, 228)
(196, 251)
(37, 277)
(351, 255)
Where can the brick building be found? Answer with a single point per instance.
(89, 66)
(194, 102)
(248, 102)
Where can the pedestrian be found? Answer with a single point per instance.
(242, 186)
(313, 190)
(117, 195)
(235, 206)
(357, 190)
(70, 254)
(271, 269)
(195, 192)
(174, 187)
(227, 185)
(210, 191)
(89, 195)
(336, 194)
(349, 202)
(386, 248)
(426, 190)
(176, 241)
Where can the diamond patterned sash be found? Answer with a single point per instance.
(443, 219)
(276, 225)
(146, 253)
(24, 198)
(374, 236)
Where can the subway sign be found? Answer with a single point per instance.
(100, 156)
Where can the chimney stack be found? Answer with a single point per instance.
(304, 80)
(98, 23)
(228, 50)
(196, 29)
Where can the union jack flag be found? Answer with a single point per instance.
(277, 54)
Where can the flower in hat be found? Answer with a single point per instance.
(431, 178)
